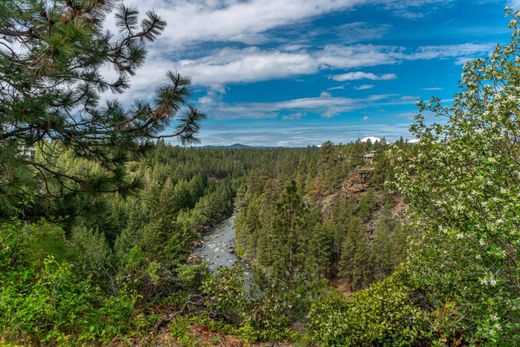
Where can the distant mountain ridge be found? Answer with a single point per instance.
(235, 145)
(239, 145)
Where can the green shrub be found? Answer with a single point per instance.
(462, 188)
(44, 302)
(268, 317)
(329, 320)
(383, 314)
(225, 295)
(92, 255)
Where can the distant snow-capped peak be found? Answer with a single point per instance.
(372, 139)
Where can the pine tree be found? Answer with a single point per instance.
(355, 256)
(383, 249)
(288, 241)
(51, 56)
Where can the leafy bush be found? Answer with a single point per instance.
(329, 320)
(268, 317)
(225, 295)
(383, 314)
(92, 255)
(45, 302)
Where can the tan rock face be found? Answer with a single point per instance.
(357, 182)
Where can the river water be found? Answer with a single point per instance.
(218, 247)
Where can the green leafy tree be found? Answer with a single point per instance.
(51, 56)
(463, 189)
(225, 295)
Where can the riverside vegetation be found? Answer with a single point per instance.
(417, 245)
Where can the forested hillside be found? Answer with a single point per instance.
(348, 219)
(355, 244)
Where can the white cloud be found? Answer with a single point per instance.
(326, 105)
(325, 95)
(205, 100)
(229, 65)
(365, 118)
(361, 31)
(411, 8)
(300, 134)
(246, 65)
(465, 50)
(515, 4)
(336, 88)
(251, 64)
(364, 87)
(360, 75)
(409, 98)
(462, 60)
(294, 116)
(355, 56)
(192, 21)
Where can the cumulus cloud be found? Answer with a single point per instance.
(360, 75)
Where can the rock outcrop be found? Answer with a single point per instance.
(357, 181)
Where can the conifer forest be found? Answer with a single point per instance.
(118, 229)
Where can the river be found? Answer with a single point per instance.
(218, 245)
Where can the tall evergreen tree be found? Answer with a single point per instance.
(51, 56)
(355, 256)
(288, 243)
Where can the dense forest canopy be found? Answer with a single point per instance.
(357, 244)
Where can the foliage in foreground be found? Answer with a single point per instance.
(383, 314)
(463, 190)
(42, 300)
(53, 54)
(465, 258)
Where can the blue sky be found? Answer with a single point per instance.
(297, 73)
